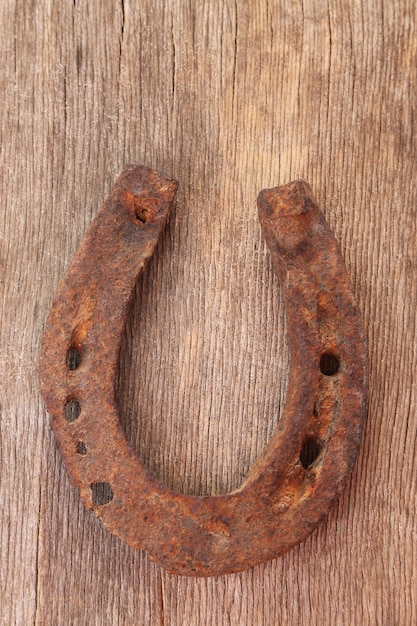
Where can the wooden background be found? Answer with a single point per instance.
(228, 97)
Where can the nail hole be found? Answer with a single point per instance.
(310, 451)
(72, 410)
(141, 215)
(81, 448)
(102, 493)
(329, 364)
(73, 359)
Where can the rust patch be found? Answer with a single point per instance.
(306, 463)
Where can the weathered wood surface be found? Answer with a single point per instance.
(227, 97)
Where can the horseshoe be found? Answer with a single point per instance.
(307, 461)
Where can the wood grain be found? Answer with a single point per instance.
(227, 97)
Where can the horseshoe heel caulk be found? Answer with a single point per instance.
(308, 459)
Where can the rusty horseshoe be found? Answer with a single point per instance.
(306, 463)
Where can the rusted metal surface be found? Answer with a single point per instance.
(307, 461)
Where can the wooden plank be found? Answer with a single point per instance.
(228, 98)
